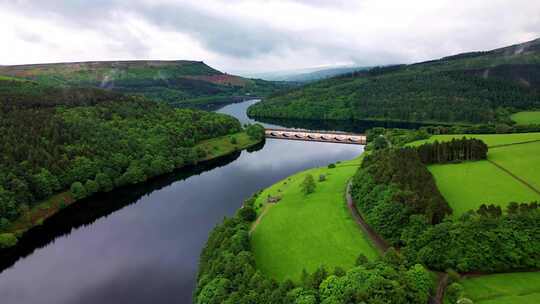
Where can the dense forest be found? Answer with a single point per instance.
(90, 140)
(484, 88)
(392, 186)
(180, 83)
(488, 239)
(456, 150)
(228, 274)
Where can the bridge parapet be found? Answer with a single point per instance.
(320, 136)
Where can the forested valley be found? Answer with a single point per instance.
(483, 87)
(90, 140)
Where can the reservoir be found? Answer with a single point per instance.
(141, 244)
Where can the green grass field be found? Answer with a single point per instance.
(521, 160)
(526, 118)
(224, 145)
(508, 288)
(468, 185)
(305, 232)
(490, 139)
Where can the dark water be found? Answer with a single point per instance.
(141, 244)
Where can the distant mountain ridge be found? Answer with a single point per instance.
(178, 82)
(310, 74)
(473, 87)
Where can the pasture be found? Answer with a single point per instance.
(306, 231)
(526, 118)
(468, 185)
(507, 288)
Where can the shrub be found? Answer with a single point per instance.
(248, 214)
(322, 178)
(7, 240)
(78, 191)
(308, 185)
(331, 166)
(91, 187)
(454, 292)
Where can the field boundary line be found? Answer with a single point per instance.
(375, 238)
(524, 182)
(513, 144)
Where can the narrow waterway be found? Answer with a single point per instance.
(141, 244)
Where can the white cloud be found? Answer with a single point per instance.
(235, 35)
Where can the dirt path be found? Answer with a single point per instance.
(379, 242)
(259, 218)
(442, 281)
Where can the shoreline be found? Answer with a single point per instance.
(216, 148)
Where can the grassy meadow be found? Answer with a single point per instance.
(468, 185)
(306, 231)
(526, 118)
(521, 160)
(224, 145)
(508, 288)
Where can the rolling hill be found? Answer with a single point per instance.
(475, 87)
(309, 75)
(179, 83)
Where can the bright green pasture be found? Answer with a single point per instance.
(305, 232)
(526, 118)
(508, 288)
(490, 139)
(468, 185)
(522, 160)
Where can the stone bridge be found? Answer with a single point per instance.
(320, 136)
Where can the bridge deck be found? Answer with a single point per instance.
(320, 136)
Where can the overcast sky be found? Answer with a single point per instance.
(260, 35)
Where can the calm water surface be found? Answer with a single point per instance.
(141, 244)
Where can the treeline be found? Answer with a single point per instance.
(90, 144)
(486, 239)
(401, 137)
(456, 150)
(228, 275)
(392, 186)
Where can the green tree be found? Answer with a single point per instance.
(308, 185)
(91, 187)
(78, 191)
(105, 183)
(44, 184)
(215, 292)
(247, 213)
(454, 292)
(7, 240)
(380, 143)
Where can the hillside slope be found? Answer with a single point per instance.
(477, 87)
(176, 82)
(78, 141)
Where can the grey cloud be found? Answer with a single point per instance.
(252, 39)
